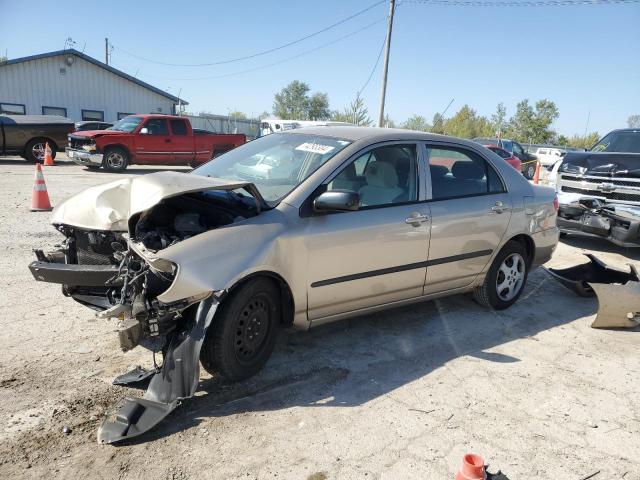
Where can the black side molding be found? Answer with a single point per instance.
(401, 268)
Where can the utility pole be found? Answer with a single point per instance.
(106, 51)
(385, 69)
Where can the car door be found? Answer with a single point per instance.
(377, 254)
(181, 141)
(153, 142)
(470, 212)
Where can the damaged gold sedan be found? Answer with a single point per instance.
(294, 229)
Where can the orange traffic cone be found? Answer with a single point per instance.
(472, 468)
(40, 197)
(536, 176)
(48, 158)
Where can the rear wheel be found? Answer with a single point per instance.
(505, 279)
(243, 333)
(115, 160)
(34, 150)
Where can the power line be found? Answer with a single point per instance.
(516, 3)
(272, 64)
(374, 67)
(258, 54)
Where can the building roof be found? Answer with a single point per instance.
(97, 63)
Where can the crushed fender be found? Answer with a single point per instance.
(177, 380)
(618, 291)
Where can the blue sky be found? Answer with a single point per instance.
(585, 58)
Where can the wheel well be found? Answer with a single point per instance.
(286, 297)
(529, 246)
(120, 147)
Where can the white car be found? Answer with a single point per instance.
(549, 156)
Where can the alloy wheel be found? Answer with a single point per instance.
(115, 160)
(510, 277)
(38, 151)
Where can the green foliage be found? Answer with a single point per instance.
(293, 102)
(499, 118)
(355, 113)
(584, 141)
(238, 115)
(438, 124)
(533, 125)
(561, 141)
(466, 123)
(388, 122)
(633, 121)
(416, 122)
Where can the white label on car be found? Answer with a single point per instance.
(315, 148)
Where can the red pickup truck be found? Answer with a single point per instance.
(148, 140)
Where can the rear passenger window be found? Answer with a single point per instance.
(157, 126)
(178, 127)
(461, 173)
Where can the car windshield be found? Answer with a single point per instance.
(626, 142)
(127, 124)
(275, 164)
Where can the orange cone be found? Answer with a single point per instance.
(536, 176)
(40, 197)
(472, 468)
(48, 158)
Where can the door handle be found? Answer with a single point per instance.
(499, 207)
(416, 219)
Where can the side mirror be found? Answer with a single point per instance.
(337, 201)
(144, 131)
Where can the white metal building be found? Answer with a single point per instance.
(77, 86)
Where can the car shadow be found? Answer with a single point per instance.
(595, 245)
(352, 362)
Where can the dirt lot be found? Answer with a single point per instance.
(401, 394)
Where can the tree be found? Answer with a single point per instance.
(499, 119)
(468, 124)
(633, 121)
(437, 124)
(416, 122)
(355, 113)
(238, 115)
(294, 103)
(529, 125)
(318, 107)
(584, 141)
(3, 59)
(388, 122)
(561, 141)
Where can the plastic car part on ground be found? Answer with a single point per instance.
(618, 291)
(177, 379)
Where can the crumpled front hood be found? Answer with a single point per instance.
(607, 164)
(109, 206)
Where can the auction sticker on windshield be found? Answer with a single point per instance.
(315, 148)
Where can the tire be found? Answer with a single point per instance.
(563, 234)
(115, 159)
(244, 330)
(529, 171)
(510, 266)
(34, 150)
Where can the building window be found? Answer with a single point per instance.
(12, 109)
(60, 111)
(93, 115)
(121, 115)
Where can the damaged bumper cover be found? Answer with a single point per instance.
(618, 291)
(618, 223)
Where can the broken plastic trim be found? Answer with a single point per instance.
(579, 277)
(178, 379)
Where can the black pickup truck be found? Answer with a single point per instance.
(26, 135)
(599, 190)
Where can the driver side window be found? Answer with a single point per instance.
(383, 176)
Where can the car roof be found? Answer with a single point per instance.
(373, 134)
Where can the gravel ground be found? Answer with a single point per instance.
(400, 394)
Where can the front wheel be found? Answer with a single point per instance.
(243, 333)
(115, 160)
(505, 279)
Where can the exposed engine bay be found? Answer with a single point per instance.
(118, 275)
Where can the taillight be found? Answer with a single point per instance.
(556, 204)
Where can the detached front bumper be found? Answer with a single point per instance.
(82, 157)
(618, 223)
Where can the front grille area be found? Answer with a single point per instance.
(78, 142)
(93, 248)
(624, 190)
